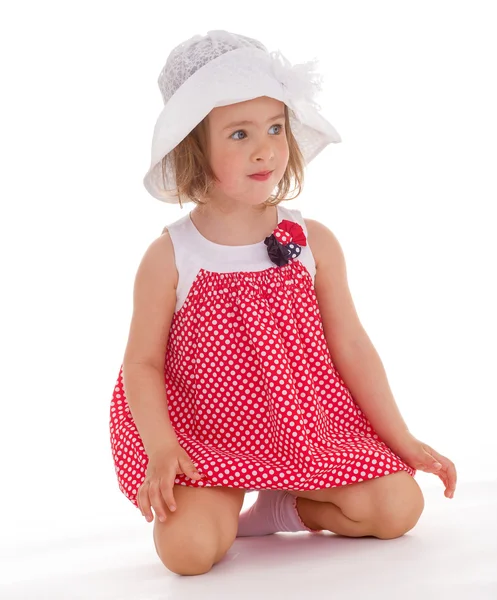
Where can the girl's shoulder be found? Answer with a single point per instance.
(321, 240)
(159, 258)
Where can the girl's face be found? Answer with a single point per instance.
(243, 139)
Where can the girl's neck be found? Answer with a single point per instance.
(239, 226)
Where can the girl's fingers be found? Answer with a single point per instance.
(443, 477)
(157, 500)
(452, 476)
(450, 473)
(144, 502)
(189, 469)
(166, 490)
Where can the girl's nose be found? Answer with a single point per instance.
(264, 152)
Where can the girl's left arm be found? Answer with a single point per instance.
(352, 351)
(358, 362)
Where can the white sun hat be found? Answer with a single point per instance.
(224, 68)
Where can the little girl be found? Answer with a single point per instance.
(246, 367)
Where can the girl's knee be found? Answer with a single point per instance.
(184, 550)
(398, 509)
(200, 532)
(188, 564)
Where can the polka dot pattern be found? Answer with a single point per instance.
(295, 250)
(253, 394)
(282, 236)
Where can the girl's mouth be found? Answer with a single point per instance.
(264, 177)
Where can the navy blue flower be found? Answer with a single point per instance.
(282, 244)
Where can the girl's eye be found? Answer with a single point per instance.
(280, 126)
(241, 131)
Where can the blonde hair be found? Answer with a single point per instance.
(195, 178)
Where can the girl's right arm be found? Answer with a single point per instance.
(154, 301)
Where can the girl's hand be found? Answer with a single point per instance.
(422, 457)
(157, 489)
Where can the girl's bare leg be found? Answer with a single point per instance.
(200, 531)
(386, 507)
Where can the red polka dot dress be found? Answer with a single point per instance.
(252, 391)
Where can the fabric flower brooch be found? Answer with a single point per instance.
(284, 244)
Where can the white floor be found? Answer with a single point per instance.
(451, 553)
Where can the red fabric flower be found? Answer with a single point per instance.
(284, 244)
(295, 230)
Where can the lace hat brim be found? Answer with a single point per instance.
(239, 75)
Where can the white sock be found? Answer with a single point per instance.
(273, 511)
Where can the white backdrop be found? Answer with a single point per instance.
(410, 193)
